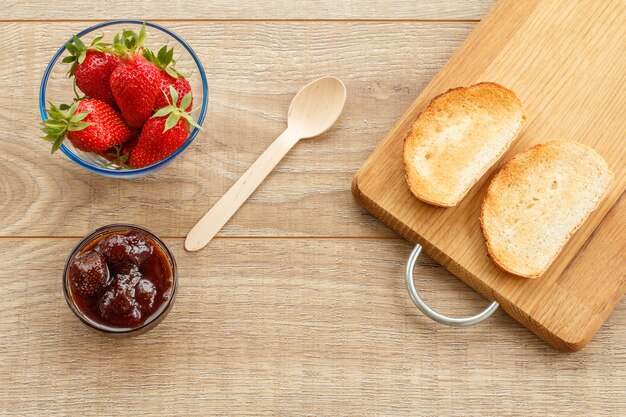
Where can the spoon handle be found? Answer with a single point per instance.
(213, 221)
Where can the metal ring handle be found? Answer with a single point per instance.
(429, 312)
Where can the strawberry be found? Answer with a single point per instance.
(135, 82)
(88, 273)
(156, 142)
(92, 67)
(162, 136)
(164, 59)
(91, 125)
(180, 84)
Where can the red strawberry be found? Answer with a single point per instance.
(91, 125)
(92, 76)
(180, 84)
(162, 136)
(92, 67)
(135, 82)
(88, 273)
(155, 143)
(164, 59)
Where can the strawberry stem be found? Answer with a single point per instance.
(77, 96)
(129, 42)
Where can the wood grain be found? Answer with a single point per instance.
(290, 327)
(248, 10)
(576, 96)
(287, 325)
(309, 192)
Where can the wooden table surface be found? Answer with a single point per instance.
(298, 307)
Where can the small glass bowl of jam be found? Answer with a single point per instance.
(120, 279)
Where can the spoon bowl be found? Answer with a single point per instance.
(316, 107)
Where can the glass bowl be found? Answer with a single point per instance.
(57, 88)
(155, 318)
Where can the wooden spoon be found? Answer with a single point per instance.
(312, 112)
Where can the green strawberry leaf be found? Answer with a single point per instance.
(149, 55)
(192, 122)
(53, 131)
(57, 144)
(72, 48)
(79, 44)
(174, 95)
(53, 124)
(171, 121)
(76, 126)
(142, 34)
(162, 54)
(169, 56)
(164, 59)
(79, 116)
(163, 111)
(172, 72)
(119, 48)
(72, 108)
(55, 113)
(186, 101)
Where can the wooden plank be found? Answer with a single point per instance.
(384, 66)
(290, 327)
(570, 85)
(248, 9)
(322, 326)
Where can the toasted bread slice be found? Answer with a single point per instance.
(538, 200)
(461, 134)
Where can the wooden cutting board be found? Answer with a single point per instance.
(566, 62)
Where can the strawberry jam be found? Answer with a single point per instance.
(120, 279)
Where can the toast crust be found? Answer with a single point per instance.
(450, 135)
(510, 175)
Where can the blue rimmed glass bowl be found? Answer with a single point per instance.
(57, 88)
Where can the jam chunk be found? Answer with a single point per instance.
(89, 273)
(118, 303)
(124, 249)
(145, 294)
